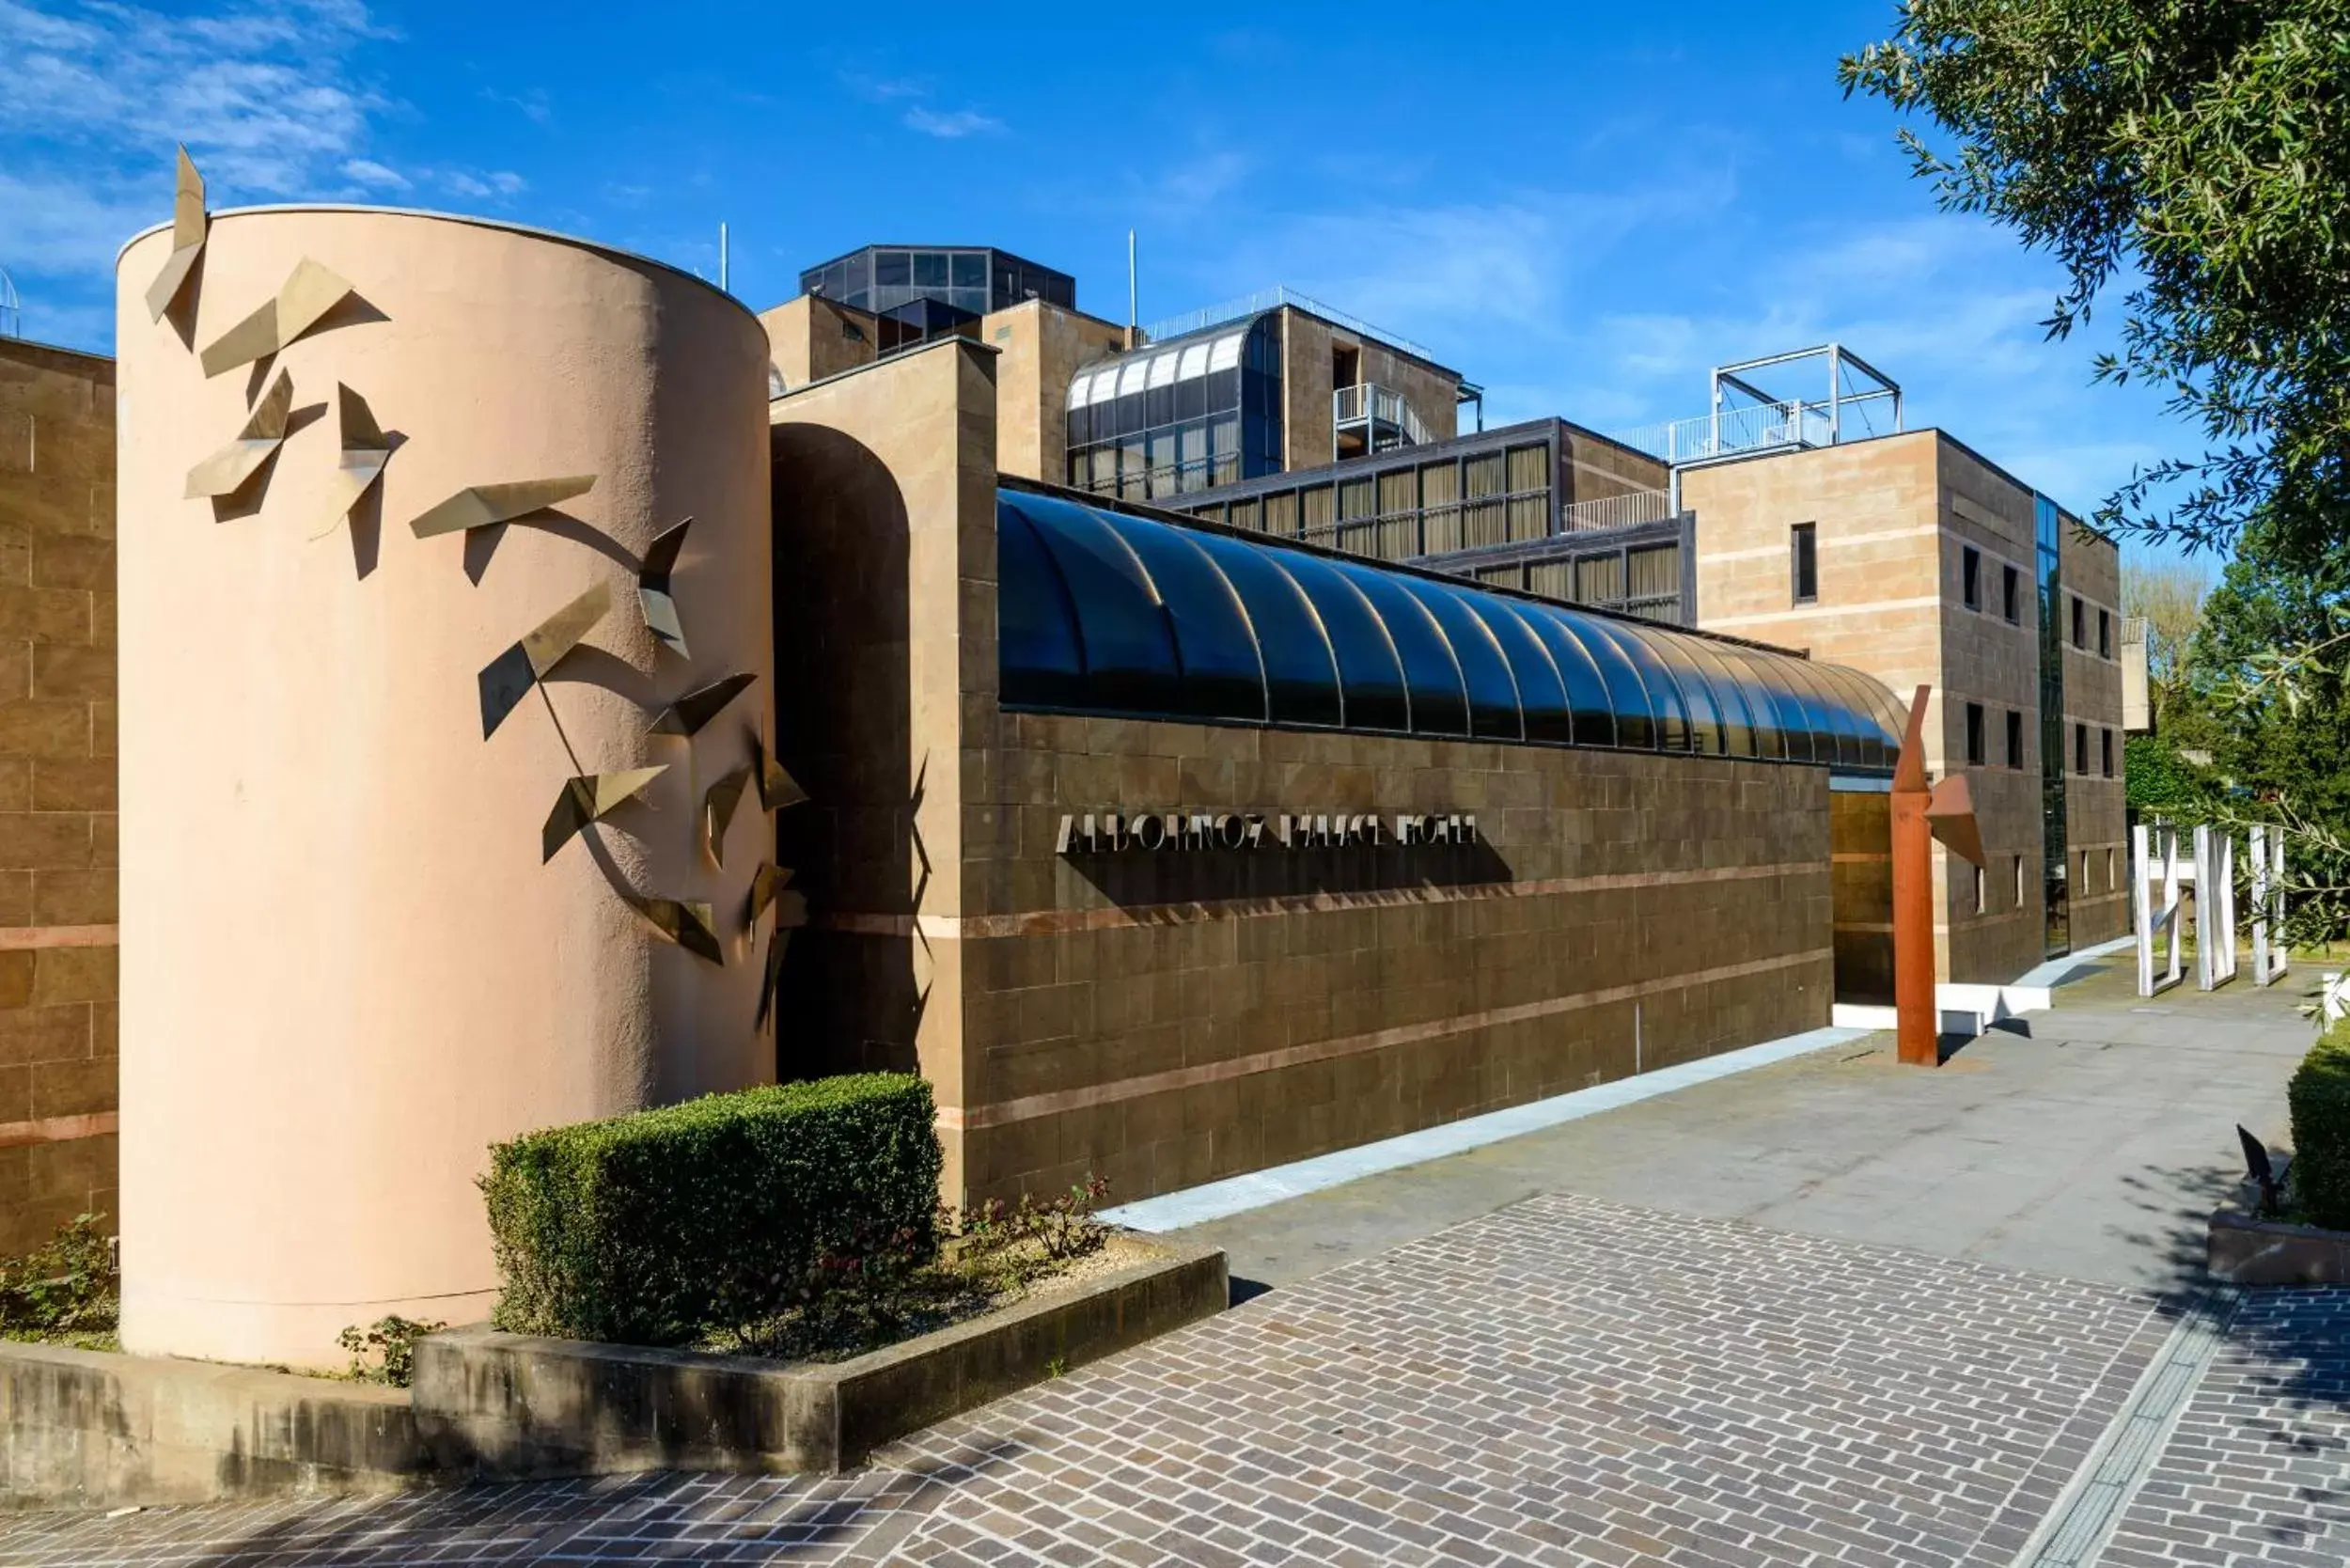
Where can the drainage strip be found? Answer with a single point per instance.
(2083, 1519)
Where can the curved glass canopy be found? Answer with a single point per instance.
(1104, 612)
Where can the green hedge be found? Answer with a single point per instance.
(2320, 1097)
(651, 1227)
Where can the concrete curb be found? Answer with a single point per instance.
(95, 1429)
(2245, 1250)
(530, 1406)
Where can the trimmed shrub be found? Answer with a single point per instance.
(2320, 1097)
(651, 1227)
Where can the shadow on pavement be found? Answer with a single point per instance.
(667, 1515)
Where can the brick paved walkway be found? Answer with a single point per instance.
(1563, 1381)
(2259, 1470)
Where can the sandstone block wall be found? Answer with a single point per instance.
(58, 896)
(1162, 1021)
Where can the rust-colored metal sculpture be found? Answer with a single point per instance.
(1922, 813)
(190, 224)
(302, 299)
(230, 470)
(1918, 1018)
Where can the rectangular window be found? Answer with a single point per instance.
(2080, 624)
(2105, 747)
(2105, 634)
(1970, 578)
(1982, 892)
(2014, 739)
(1804, 542)
(2012, 595)
(2112, 881)
(1977, 755)
(2019, 880)
(2080, 748)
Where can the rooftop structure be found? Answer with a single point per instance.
(936, 287)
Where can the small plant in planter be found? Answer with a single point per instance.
(66, 1291)
(386, 1352)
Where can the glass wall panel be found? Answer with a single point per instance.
(1043, 662)
(1492, 691)
(1664, 694)
(1795, 721)
(1130, 664)
(1744, 728)
(1433, 674)
(1637, 714)
(1109, 613)
(1603, 717)
(1544, 706)
(1222, 676)
(1708, 730)
(1852, 741)
(1301, 673)
(1369, 676)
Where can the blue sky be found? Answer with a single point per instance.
(1581, 207)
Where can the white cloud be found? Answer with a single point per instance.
(369, 172)
(485, 186)
(92, 97)
(258, 90)
(49, 226)
(949, 126)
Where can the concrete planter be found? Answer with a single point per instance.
(86, 1428)
(2247, 1250)
(546, 1407)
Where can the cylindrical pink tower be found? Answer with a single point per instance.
(346, 969)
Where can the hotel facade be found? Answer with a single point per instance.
(1192, 750)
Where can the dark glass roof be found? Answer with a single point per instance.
(1105, 612)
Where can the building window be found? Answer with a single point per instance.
(1977, 755)
(1804, 541)
(2105, 634)
(2012, 595)
(2014, 739)
(1970, 578)
(2105, 747)
(1180, 417)
(2018, 861)
(2080, 748)
(2080, 624)
(1982, 893)
(2112, 881)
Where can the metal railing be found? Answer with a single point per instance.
(1273, 299)
(1628, 511)
(1370, 403)
(1755, 427)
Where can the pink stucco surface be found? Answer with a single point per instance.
(346, 971)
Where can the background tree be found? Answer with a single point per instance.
(2168, 597)
(2199, 148)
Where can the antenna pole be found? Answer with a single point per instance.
(722, 257)
(1134, 322)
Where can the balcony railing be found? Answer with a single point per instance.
(1372, 404)
(1272, 299)
(1628, 511)
(1755, 427)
